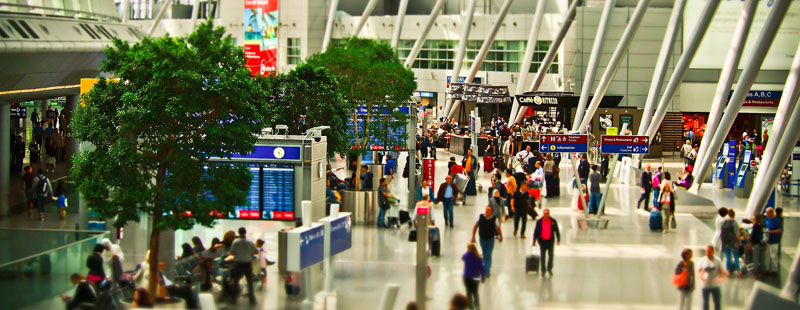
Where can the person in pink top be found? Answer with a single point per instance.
(656, 186)
(548, 235)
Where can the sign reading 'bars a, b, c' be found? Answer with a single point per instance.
(563, 143)
(624, 144)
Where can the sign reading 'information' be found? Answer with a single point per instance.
(563, 143)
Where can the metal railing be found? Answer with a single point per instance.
(59, 12)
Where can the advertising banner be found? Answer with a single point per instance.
(428, 170)
(261, 36)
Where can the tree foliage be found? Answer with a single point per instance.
(307, 97)
(178, 102)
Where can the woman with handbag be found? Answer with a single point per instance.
(667, 203)
(683, 278)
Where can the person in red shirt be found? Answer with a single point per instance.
(27, 181)
(547, 234)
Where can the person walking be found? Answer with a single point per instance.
(686, 149)
(27, 184)
(446, 195)
(731, 241)
(550, 178)
(683, 278)
(594, 190)
(774, 225)
(519, 205)
(717, 239)
(389, 170)
(243, 251)
(497, 205)
(473, 270)
(383, 202)
(548, 235)
(487, 229)
(583, 169)
(711, 274)
(647, 186)
(471, 165)
(43, 191)
(511, 189)
(666, 202)
(656, 183)
(758, 245)
(507, 149)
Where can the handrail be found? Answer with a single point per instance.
(55, 10)
(97, 232)
(53, 250)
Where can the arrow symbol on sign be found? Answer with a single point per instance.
(544, 148)
(644, 149)
(644, 139)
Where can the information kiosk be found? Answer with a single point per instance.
(744, 176)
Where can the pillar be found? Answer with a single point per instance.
(462, 47)
(529, 49)
(5, 158)
(594, 62)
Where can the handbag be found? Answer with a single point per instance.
(681, 279)
(672, 222)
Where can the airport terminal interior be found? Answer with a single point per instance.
(399, 154)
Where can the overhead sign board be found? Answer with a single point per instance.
(19, 112)
(563, 143)
(624, 144)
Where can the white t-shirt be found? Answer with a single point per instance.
(711, 269)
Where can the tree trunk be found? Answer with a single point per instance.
(357, 181)
(153, 262)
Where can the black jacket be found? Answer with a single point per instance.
(84, 294)
(583, 169)
(647, 180)
(537, 233)
(476, 166)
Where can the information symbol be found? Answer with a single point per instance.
(552, 147)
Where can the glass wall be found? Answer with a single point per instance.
(503, 56)
(37, 264)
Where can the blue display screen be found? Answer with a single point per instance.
(252, 208)
(277, 188)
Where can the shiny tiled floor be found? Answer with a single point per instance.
(623, 267)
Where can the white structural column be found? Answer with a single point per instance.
(661, 64)
(729, 69)
(195, 11)
(437, 8)
(751, 68)
(594, 61)
(326, 39)
(398, 24)
(771, 163)
(462, 47)
(5, 158)
(364, 16)
(613, 64)
(126, 10)
(476, 64)
(683, 65)
(569, 17)
(529, 49)
(158, 18)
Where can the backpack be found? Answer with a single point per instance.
(728, 232)
(41, 187)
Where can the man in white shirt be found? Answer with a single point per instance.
(711, 274)
(507, 148)
(524, 155)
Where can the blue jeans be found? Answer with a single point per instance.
(40, 203)
(656, 191)
(732, 264)
(470, 189)
(448, 211)
(487, 245)
(714, 295)
(594, 202)
(381, 217)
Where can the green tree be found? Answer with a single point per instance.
(373, 80)
(178, 102)
(307, 97)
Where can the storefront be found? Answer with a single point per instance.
(555, 110)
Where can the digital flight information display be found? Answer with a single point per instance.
(252, 208)
(277, 189)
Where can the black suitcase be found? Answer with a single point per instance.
(532, 263)
(435, 241)
(404, 217)
(412, 235)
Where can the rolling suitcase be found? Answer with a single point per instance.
(488, 163)
(434, 240)
(412, 235)
(404, 217)
(461, 182)
(532, 263)
(499, 163)
(656, 220)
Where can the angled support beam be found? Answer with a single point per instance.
(614, 63)
(726, 79)
(476, 65)
(364, 16)
(594, 61)
(683, 65)
(748, 77)
(661, 64)
(462, 47)
(437, 8)
(398, 24)
(774, 159)
(126, 11)
(158, 18)
(329, 25)
(569, 17)
(529, 49)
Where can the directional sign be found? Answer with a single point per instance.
(19, 112)
(563, 143)
(624, 144)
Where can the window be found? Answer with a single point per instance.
(293, 51)
(503, 56)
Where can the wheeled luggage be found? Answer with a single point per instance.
(404, 217)
(434, 240)
(499, 163)
(488, 163)
(461, 182)
(532, 263)
(412, 235)
(656, 220)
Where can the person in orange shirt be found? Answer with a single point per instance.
(471, 165)
(511, 187)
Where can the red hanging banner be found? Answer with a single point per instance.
(261, 36)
